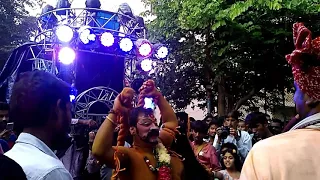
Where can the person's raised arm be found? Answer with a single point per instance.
(102, 146)
(169, 119)
(149, 89)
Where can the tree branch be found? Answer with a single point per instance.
(245, 98)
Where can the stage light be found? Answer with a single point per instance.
(148, 103)
(48, 20)
(61, 4)
(126, 44)
(64, 33)
(144, 47)
(146, 65)
(107, 39)
(93, 4)
(73, 93)
(66, 55)
(162, 52)
(86, 35)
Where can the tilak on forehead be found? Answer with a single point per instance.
(151, 116)
(308, 81)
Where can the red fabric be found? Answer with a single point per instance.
(11, 144)
(308, 82)
(207, 156)
(164, 173)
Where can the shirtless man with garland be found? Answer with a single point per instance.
(149, 157)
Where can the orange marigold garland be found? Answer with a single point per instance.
(125, 98)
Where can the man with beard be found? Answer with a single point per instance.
(293, 155)
(149, 158)
(40, 108)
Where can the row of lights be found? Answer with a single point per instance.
(86, 35)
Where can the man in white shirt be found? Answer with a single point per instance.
(294, 155)
(40, 107)
(241, 139)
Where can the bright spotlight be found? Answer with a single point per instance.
(148, 103)
(126, 44)
(146, 65)
(144, 47)
(107, 39)
(64, 33)
(86, 35)
(162, 52)
(67, 55)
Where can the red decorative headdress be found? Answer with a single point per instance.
(308, 81)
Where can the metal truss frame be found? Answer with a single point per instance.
(91, 96)
(45, 58)
(79, 17)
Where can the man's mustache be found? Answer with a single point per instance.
(153, 132)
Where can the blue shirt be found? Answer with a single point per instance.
(37, 160)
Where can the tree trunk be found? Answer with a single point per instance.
(230, 104)
(208, 79)
(209, 99)
(221, 97)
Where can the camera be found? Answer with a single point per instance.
(225, 131)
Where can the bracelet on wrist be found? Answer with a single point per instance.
(113, 123)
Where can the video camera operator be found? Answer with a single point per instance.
(229, 134)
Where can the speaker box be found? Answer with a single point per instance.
(99, 70)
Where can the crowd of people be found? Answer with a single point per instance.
(40, 140)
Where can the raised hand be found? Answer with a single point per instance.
(123, 102)
(148, 90)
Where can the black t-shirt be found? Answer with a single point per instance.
(10, 170)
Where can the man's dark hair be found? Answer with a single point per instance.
(200, 126)
(214, 122)
(133, 120)
(4, 106)
(208, 116)
(34, 97)
(278, 121)
(183, 121)
(182, 116)
(234, 114)
(221, 120)
(255, 118)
